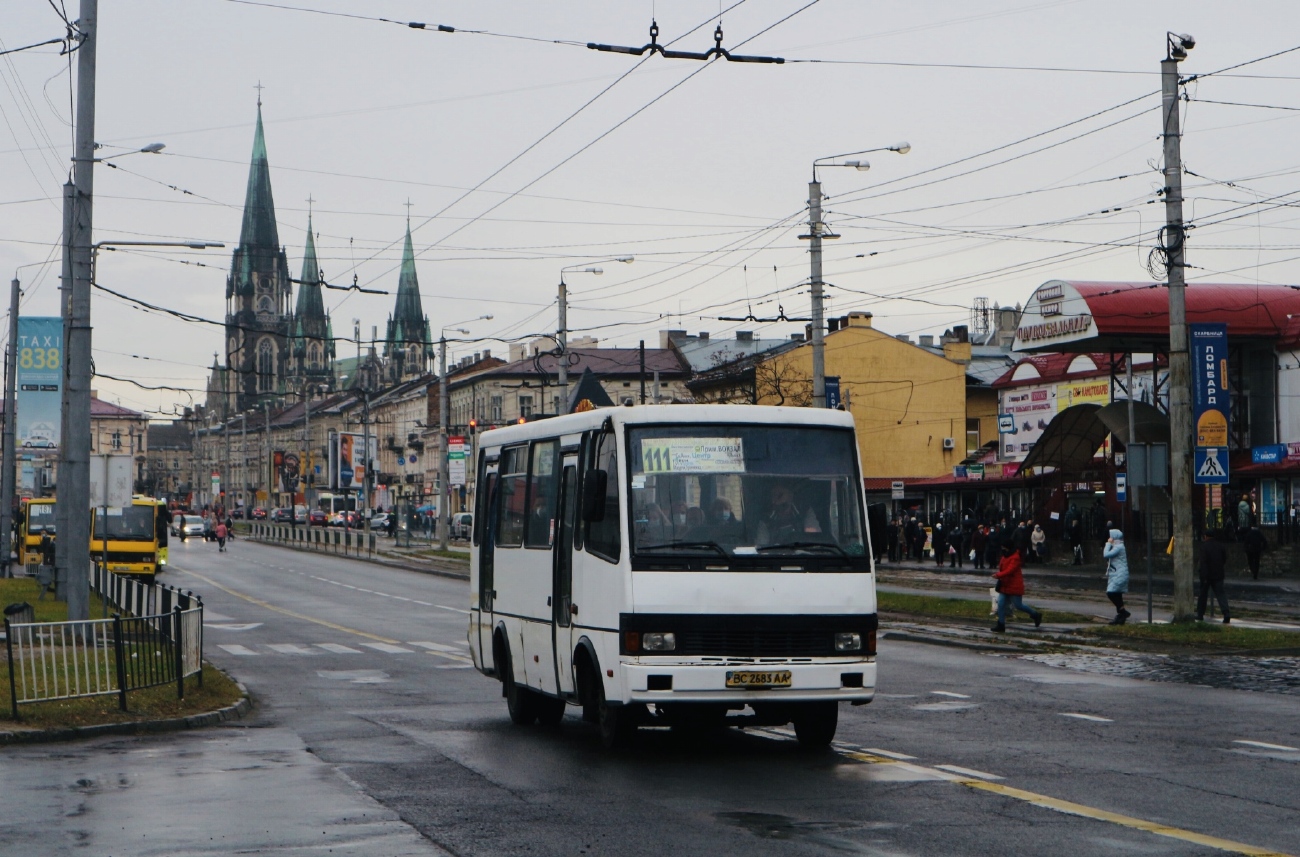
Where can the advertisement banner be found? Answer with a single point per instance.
(1209, 359)
(39, 380)
(456, 460)
(1031, 409)
(348, 461)
(1094, 391)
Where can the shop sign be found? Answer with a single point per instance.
(975, 471)
(1271, 454)
(1095, 391)
(1065, 329)
(1209, 344)
(1293, 450)
(959, 471)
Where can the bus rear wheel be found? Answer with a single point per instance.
(815, 724)
(520, 701)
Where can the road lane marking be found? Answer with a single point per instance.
(452, 609)
(260, 603)
(339, 649)
(950, 773)
(236, 650)
(901, 757)
(437, 647)
(1070, 808)
(1094, 718)
(950, 693)
(389, 648)
(246, 627)
(291, 649)
(1268, 746)
(969, 772)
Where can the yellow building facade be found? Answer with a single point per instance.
(908, 402)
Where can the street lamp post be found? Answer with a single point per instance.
(444, 454)
(816, 232)
(562, 333)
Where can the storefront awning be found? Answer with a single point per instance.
(1070, 440)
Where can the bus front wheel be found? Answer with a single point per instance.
(815, 724)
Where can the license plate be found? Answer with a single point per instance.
(758, 678)
(121, 568)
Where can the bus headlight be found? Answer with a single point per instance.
(848, 641)
(658, 642)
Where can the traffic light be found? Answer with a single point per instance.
(473, 426)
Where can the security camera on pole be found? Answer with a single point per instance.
(816, 232)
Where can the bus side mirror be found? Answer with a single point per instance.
(594, 485)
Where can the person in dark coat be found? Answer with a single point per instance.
(1214, 561)
(1011, 588)
(939, 542)
(1254, 543)
(957, 541)
(891, 539)
(979, 540)
(993, 546)
(912, 531)
(1074, 534)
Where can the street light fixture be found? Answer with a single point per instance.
(562, 334)
(444, 463)
(816, 232)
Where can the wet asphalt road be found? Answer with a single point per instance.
(373, 737)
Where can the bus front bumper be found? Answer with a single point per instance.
(668, 681)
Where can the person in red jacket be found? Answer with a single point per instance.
(1011, 586)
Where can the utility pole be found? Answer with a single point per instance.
(444, 464)
(306, 447)
(65, 310)
(266, 459)
(1180, 406)
(74, 470)
(243, 463)
(642, 351)
(815, 228)
(8, 460)
(562, 340)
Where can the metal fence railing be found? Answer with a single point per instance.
(136, 598)
(347, 542)
(66, 660)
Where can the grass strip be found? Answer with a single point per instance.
(957, 608)
(14, 590)
(155, 703)
(1201, 634)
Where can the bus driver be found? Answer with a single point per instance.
(784, 521)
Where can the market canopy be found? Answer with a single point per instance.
(1070, 440)
(1134, 317)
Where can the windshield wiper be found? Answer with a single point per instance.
(674, 545)
(829, 546)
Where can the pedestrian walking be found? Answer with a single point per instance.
(1255, 545)
(222, 532)
(1038, 543)
(1116, 575)
(1011, 589)
(1214, 561)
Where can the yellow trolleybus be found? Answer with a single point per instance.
(136, 537)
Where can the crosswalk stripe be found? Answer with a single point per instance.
(291, 649)
(1094, 718)
(339, 649)
(1264, 746)
(437, 647)
(390, 649)
(236, 650)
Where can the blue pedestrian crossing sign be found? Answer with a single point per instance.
(1211, 465)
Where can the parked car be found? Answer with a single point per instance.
(462, 525)
(259, 514)
(282, 516)
(237, 514)
(317, 517)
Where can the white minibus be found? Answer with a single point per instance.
(679, 565)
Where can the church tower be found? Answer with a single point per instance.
(311, 349)
(408, 347)
(258, 293)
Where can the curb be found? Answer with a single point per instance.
(974, 646)
(134, 727)
(437, 572)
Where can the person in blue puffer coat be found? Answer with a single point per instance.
(1116, 575)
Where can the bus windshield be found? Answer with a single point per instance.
(131, 523)
(40, 518)
(745, 491)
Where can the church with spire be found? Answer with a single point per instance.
(278, 347)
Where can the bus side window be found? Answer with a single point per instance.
(544, 490)
(603, 537)
(512, 483)
(480, 498)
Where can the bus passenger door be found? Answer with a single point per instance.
(487, 517)
(562, 578)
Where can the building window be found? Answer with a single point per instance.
(496, 409)
(313, 356)
(972, 436)
(526, 405)
(117, 440)
(265, 365)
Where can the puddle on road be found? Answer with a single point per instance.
(356, 676)
(828, 834)
(1227, 672)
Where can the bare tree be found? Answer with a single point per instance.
(779, 381)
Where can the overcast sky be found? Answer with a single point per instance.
(522, 152)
